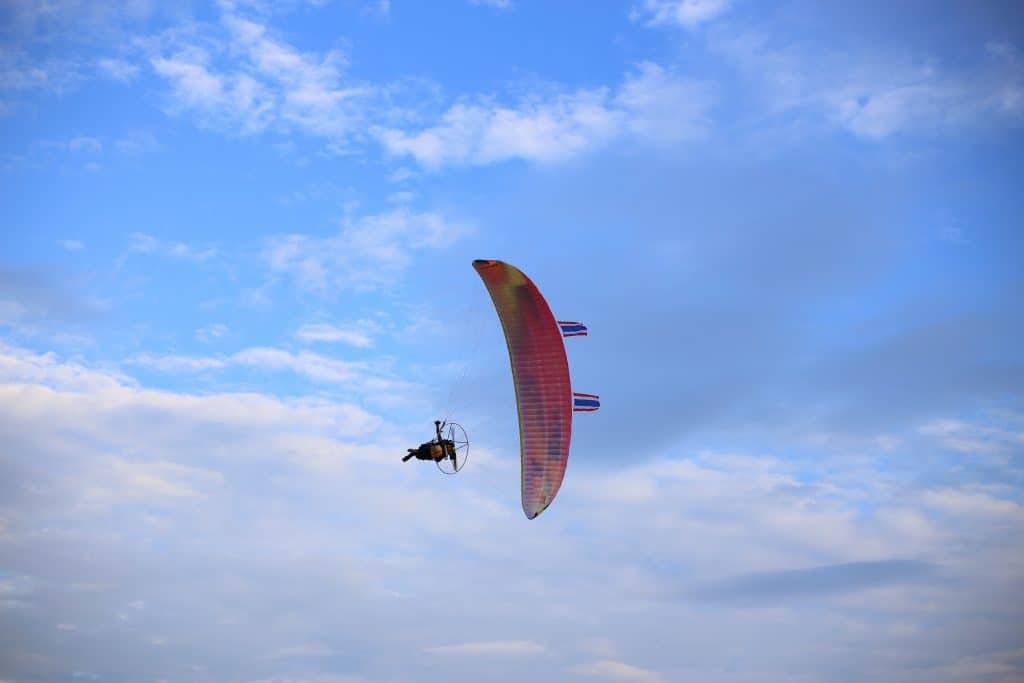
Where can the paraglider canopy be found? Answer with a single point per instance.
(540, 373)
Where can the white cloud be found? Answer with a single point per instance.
(20, 71)
(368, 380)
(651, 105)
(19, 365)
(401, 197)
(1008, 95)
(686, 13)
(874, 95)
(661, 107)
(136, 143)
(85, 144)
(299, 256)
(15, 586)
(256, 297)
(304, 650)
(211, 332)
(490, 647)
(309, 88)
(118, 69)
(877, 110)
(381, 7)
(71, 245)
(482, 134)
(305, 363)
(173, 363)
(358, 334)
(603, 648)
(41, 380)
(972, 437)
(999, 665)
(755, 498)
(974, 503)
(497, 4)
(142, 243)
(247, 81)
(612, 670)
(368, 250)
(312, 678)
(235, 100)
(402, 174)
(123, 481)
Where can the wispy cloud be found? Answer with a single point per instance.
(686, 13)
(217, 99)
(118, 69)
(71, 245)
(357, 334)
(246, 80)
(368, 251)
(20, 366)
(612, 670)
(1000, 665)
(177, 363)
(86, 144)
(212, 332)
(311, 365)
(490, 647)
(113, 391)
(52, 47)
(143, 243)
(779, 587)
(300, 651)
(972, 437)
(136, 143)
(652, 104)
(662, 107)
(974, 503)
(497, 4)
(369, 380)
(124, 480)
(875, 96)
(37, 304)
(305, 363)
(20, 72)
(476, 134)
(379, 7)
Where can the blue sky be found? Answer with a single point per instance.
(235, 285)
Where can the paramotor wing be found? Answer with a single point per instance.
(540, 372)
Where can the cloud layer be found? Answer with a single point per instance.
(298, 514)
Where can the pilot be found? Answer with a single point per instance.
(436, 449)
(430, 450)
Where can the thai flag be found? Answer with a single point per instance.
(571, 329)
(585, 403)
